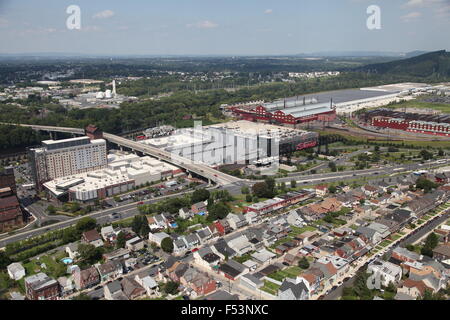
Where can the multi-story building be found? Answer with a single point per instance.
(10, 213)
(41, 287)
(7, 179)
(86, 278)
(60, 158)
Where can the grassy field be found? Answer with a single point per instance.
(445, 108)
(363, 140)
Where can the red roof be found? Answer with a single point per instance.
(91, 235)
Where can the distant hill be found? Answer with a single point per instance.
(425, 65)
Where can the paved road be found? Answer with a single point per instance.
(127, 210)
(356, 174)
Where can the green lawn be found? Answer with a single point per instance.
(385, 243)
(296, 230)
(270, 287)
(396, 236)
(291, 272)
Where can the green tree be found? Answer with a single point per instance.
(332, 189)
(303, 263)
(200, 195)
(248, 198)
(270, 182)
(89, 253)
(51, 209)
(245, 190)
(138, 225)
(260, 189)
(425, 184)
(121, 240)
(167, 245)
(332, 166)
(293, 183)
(429, 295)
(426, 155)
(82, 296)
(171, 287)
(86, 224)
(431, 242)
(218, 211)
(4, 260)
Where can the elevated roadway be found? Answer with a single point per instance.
(200, 169)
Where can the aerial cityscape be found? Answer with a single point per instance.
(187, 155)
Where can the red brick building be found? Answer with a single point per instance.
(86, 278)
(41, 287)
(93, 132)
(8, 180)
(10, 212)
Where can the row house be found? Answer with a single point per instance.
(87, 278)
(198, 281)
(110, 270)
(206, 257)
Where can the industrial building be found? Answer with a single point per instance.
(434, 124)
(234, 142)
(287, 112)
(324, 106)
(60, 158)
(123, 172)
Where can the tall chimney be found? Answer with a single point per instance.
(114, 87)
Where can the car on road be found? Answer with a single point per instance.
(141, 202)
(186, 298)
(115, 215)
(334, 288)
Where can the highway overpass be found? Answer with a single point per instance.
(200, 169)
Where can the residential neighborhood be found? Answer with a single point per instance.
(300, 245)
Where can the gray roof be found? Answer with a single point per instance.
(191, 238)
(297, 289)
(253, 279)
(222, 295)
(368, 232)
(114, 286)
(222, 247)
(403, 296)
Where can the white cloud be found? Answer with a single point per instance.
(203, 25)
(411, 16)
(90, 28)
(423, 3)
(104, 14)
(443, 12)
(3, 22)
(268, 11)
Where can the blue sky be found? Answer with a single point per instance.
(232, 27)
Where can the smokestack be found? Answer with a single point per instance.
(304, 100)
(114, 88)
